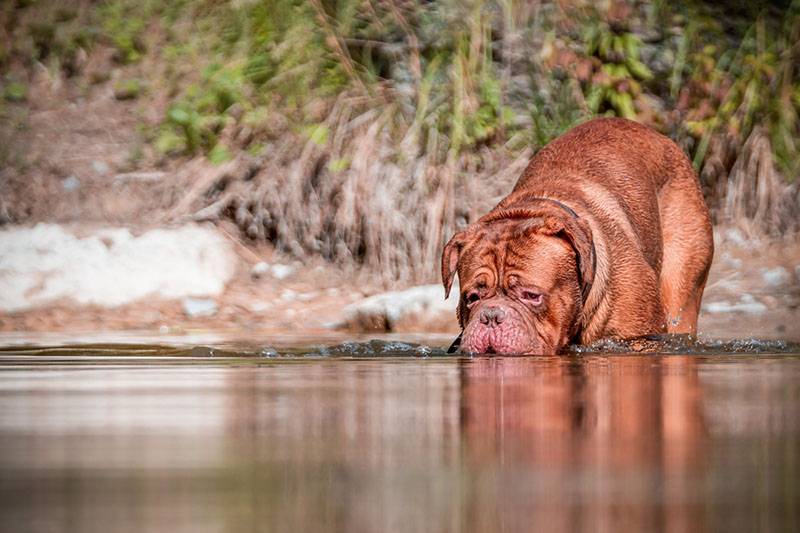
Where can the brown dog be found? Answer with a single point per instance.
(606, 234)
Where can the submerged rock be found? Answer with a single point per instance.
(268, 351)
(378, 348)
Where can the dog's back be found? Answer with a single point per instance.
(647, 212)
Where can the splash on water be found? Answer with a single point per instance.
(655, 345)
(686, 345)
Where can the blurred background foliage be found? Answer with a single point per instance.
(370, 130)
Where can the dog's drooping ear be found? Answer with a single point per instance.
(450, 256)
(579, 235)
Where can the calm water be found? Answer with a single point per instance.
(376, 437)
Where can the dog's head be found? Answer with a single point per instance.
(523, 274)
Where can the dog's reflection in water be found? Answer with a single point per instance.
(587, 443)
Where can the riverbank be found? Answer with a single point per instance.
(232, 290)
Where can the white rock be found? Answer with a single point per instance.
(424, 301)
(111, 267)
(101, 167)
(194, 307)
(736, 237)
(288, 295)
(747, 298)
(71, 183)
(729, 284)
(259, 269)
(774, 277)
(281, 271)
(258, 306)
(747, 304)
(731, 261)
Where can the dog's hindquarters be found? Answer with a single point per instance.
(688, 244)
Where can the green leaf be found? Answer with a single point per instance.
(15, 92)
(168, 142)
(638, 69)
(337, 165)
(318, 134)
(623, 104)
(594, 98)
(219, 154)
(618, 45)
(632, 44)
(179, 115)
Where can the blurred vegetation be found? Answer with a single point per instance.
(369, 128)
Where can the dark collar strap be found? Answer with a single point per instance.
(456, 344)
(565, 207)
(573, 214)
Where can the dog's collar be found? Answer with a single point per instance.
(573, 214)
(587, 287)
(456, 343)
(563, 206)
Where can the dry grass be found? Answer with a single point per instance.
(754, 196)
(367, 132)
(357, 196)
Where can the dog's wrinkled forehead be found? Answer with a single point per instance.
(499, 244)
(512, 234)
(504, 230)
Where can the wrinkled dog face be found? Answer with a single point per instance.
(520, 286)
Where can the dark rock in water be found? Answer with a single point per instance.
(685, 345)
(379, 348)
(268, 351)
(202, 351)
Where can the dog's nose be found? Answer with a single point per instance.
(492, 316)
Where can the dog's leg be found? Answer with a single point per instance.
(688, 245)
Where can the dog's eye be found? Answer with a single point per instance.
(531, 297)
(472, 297)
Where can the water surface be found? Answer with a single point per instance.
(376, 436)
